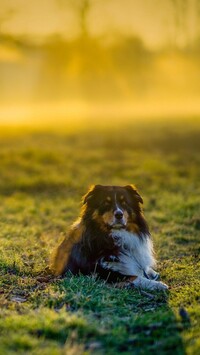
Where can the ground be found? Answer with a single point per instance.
(44, 173)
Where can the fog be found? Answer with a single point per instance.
(65, 60)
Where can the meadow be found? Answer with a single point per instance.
(44, 173)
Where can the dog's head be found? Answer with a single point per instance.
(115, 207)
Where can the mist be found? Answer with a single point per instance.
(99, 71)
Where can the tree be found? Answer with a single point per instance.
(82, 8)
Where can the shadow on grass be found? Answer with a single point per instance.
(116, 320)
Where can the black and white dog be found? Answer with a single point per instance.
(111, 238)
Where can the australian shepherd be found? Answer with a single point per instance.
(111, 238)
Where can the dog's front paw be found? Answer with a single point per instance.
(147, 284)
(109, 258)
(160, 286)
(152, 274)
(107, 262)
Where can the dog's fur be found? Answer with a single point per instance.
(111, 238)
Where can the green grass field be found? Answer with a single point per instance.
(43, 176)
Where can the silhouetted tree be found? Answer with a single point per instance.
(82, 8)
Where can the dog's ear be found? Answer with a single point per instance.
(90, 193)
(132, 189)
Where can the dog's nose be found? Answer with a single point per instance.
(118, 214)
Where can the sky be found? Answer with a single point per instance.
(153, 20)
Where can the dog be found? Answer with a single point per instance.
(111, 238)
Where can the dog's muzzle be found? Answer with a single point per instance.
(119, 221)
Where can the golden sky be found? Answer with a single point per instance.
(153, 20)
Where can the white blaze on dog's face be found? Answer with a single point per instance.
(113, 211)
(115, 207)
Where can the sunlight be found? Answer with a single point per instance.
(78, 113)
(92, 60)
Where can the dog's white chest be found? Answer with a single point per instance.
(134, 249)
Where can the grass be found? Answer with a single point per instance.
(43, 176)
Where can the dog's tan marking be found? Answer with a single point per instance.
(95, 214)
(108, 198)
(126, 217)
(132, 227)
(108, 217)
(122, 197)
(99, 220)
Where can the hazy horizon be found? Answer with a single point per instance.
(93, 59)
(157, 23)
